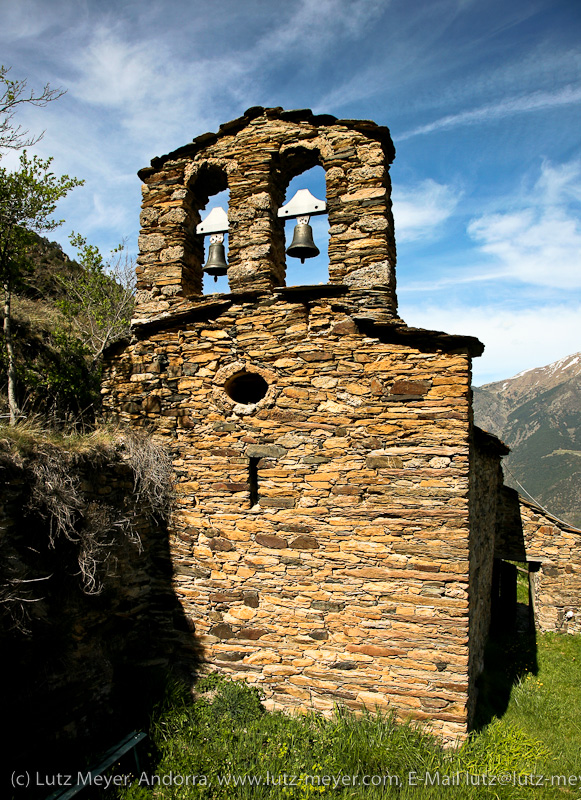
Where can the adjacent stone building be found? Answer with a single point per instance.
(333, 538)
(551, 551)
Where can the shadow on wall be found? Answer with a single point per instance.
(511, 651)
(509, 656)
(80, 669)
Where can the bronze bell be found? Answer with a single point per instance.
(302, 245)
(216, 264)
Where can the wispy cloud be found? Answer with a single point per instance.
(420, 210)
(113, 71)
(153, 93)
(539, 243)
(314, 25)
(536, 101)
(163, 89)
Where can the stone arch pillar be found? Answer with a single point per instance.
(255, 259)
(361, 242)
(169, 260)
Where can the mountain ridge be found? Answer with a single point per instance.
(537, 413)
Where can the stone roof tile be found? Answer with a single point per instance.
(368, 127)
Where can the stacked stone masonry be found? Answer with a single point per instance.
(552, 549)
(334, 533)
(255, 157)
(347, 580)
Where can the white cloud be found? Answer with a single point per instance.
(149, 94)
(514, 339)
(559, 183)
(313, 25)
(540, 243)
(536, 101)
(155, 76)
(114, 72)
(27, 19)
(420, 210)
(152, 92)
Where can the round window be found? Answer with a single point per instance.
(246, 388)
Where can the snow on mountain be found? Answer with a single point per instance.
(538, 414)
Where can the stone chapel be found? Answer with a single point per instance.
(334, 526)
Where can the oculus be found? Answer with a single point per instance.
(246, 388)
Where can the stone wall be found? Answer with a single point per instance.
(333, 507)
(553, 550)
(255, 157)
(79, 668)
(321, 538)
(485, 482)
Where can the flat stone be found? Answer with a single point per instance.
(251, 633)
(251, 599)
(271, 540)
(265, 451)
(225, 597)
(410, 388)
(220, 544)
(327, 605)
(222, 631)
(319, 634)
(292, 527)
(379, 461)
(304, 543)
(231, 656)
(277, 502)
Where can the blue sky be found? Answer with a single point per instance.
(483, 99)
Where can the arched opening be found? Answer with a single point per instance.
(208, 189)
(212, 284)
(314, 270)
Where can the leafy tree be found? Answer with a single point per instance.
(14, 94)
(99, 300)
(28, 198)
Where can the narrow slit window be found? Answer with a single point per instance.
(253, 481)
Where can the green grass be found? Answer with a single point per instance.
(224, 731)
(548, 704)
(522, 586)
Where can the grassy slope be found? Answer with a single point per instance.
(547, 704)
(224, 732)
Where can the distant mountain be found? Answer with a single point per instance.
(537, 413)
